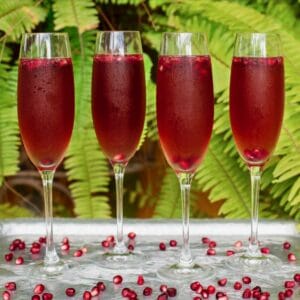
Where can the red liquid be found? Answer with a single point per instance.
(256, 106)
(118, 104)
(185, 108)
(46, 109)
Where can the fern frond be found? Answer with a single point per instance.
(121, 2)
(75, 13)
(8, 211)
(17, 17)
(168, 204)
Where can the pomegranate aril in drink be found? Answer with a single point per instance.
(230, 252)
(126, 292)
(117, 279)
(211, 289)
(147, 291)
(163, 288)
(281, 296)
(39, 289)
(47, 296)
(288, 293)
(204, 294)
(70, 292)
(11, 286)
(105, 244)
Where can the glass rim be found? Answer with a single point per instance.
(45, 33)
(183, 32)
(249, 33)
(118, 31)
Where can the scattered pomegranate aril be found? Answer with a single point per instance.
(65, 247)
(86, 295)
(132, 295)
(211, 289)
(117, 279)
(292, 257)
(42, 240)
(212, 244)
(246, 279)
(35, 250)
(162, 246)
(130, 247)
(286, 245)
(237, 285)
(147, 291)
(173, 243)
(84, 250)
(22, 245)
(8, 257)
(222, 282)
(289, 284)
(19, 260)
(247, 294)
(47, 296)
(238, 244)
(297, 277)
(256, 294)
(221, 295)
(101, 286)
(256, 289)
(197, 298)
(131, 235)
(65, 240)
(11, 286)
(70, 292)
(125, 292)
(95, 291)
(204, 294)
(105, 244)
(140, 280)
(205, 240)
(211, 252)
(265, 250)
(78, 253)
(163, 288)
(12, 247)
(36, 245)
(172, 292)
(230, 252)
(288, 293)
(162, 296)
(6, 295)
(39, 289)
(35, 297)
(281, 296)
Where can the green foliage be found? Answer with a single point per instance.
(8, 211)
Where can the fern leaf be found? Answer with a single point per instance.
(75, 13)
(168, 204)
(8, 211)
(17, 17)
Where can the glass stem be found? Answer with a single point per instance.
(185, 180)
(51, 257)
(119, 170)
(255, 173)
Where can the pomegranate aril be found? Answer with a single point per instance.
(212, 244)
(126, 292)
(8, 257)
(288, 293)
(86, 295)
(238, 244)
(147, 291)
(6, 295)
(35, 245)
(78, 253)
(195, 285)
(205, 240)
(22, 246)
(42, 240)
(132, 295)
(289, 284)
(105, 244)
(84, 250)
(281, 296)
(35, 250)
(211, 252)
(11, 286)
(70, 292)
(101, 286)
(237, 285)
(211, 289)
(173, 243)
(130, 247)
(131, 235)
(292, 257)
(65, 240)
(197, 298)
(247, 294)
(35, 297)
(163, 288)
(117, 279)
(230, 252)
(140, 280)
(38, 289)
(172, 292)
(204, 294)
(47, 296)
(19, 260)
(65, 247)
(162, 246)
(222, 282)
(246, 279)
(256, 294)
(95, 291)
(297, 277)
(265, 250)
(286, 245)
(162, 296)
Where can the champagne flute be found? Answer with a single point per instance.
(118, 108)
(256, 113)
(185, 108)
(46, 117)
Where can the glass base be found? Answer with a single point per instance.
(180, 273)
(260, 263)
(38, 270)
